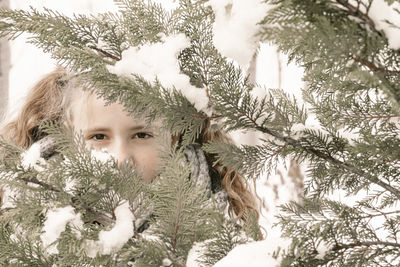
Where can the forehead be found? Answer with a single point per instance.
(97, 104)
(92, 111)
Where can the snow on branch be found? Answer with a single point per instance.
(387, 19)
(236, 26)
(114, 239)
(160, 61)
(56, 222)
(32, 159)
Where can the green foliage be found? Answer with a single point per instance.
(352, 92)
(352, 86)
(181, 218)
(331, 233)
(144, 21)
(180, 212)
(347, 132)
(20, 249)
(94, 188)
(251, 227)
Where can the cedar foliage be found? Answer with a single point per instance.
(352, 78)
(182, 213)
(352, 90)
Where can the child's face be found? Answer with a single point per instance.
(111, 128)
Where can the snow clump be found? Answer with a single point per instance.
(322, 249)
(255, 254)
(56, 222)
(379, 12)
(102, 155)
(235, 28)
(7, 197)
(195, 254)
(113, 240)
(160, 61)
(166, 262)
(31, 158)
(312, 123)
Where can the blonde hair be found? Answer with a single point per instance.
(51, 99)
(43, 103)
(240, 198)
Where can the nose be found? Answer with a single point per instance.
(122, 152)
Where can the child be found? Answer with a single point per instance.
(56, 99)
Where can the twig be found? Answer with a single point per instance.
(278, 150)
(98, 217)
(357, 13)
(175, 232)
(381, 214)
(105, 53)
(365, 244)
(371, 65)
(295, 143)
(205, 75)
(42, 184)
(113, 212)
(208, 117)
(379, 116)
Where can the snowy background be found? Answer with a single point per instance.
(28, 64)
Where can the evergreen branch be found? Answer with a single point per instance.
(295, 143)
(366, 110)
(225, 237)
(40, 183)
(355, 11)
(341, 228)
(366, 244)
(208, 117)
(65, 37)
(248, 160)
(177, 220)
(380, 116)
(105, 53)
(76, 202)
(179, 207)
(143, 21)
(371, 65)
(381, 214)
(20, 249)
(50, 29)
(281, 148)
(355, 85)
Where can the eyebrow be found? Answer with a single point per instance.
(97, 129)
(139, 127)
(104, 129)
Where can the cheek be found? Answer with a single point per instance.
(148, 160)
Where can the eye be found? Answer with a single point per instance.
(98, 137)
(142, 135)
